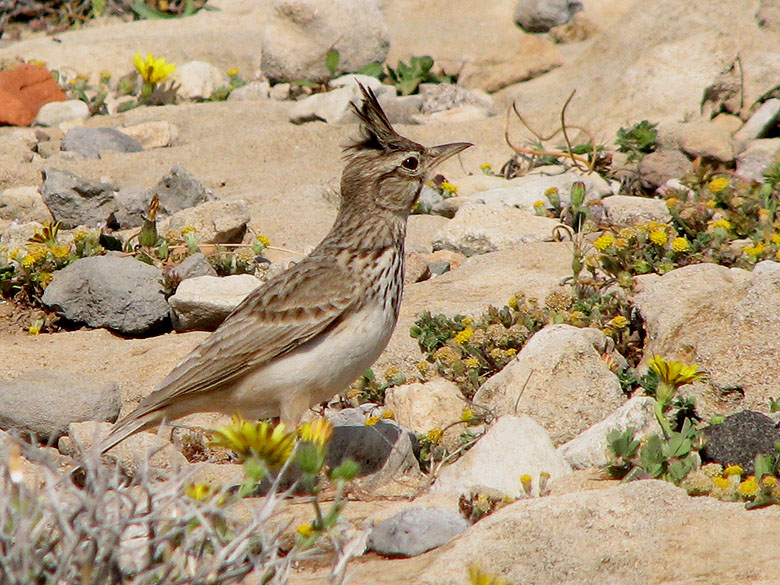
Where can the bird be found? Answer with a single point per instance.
(308, 332)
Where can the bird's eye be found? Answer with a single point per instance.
(410, 163)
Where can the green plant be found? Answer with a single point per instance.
(368, 389)
(174, 9)
(638, 140)
(407, 78)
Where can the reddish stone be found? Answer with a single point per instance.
(23, 91)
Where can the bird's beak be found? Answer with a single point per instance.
(439, 154)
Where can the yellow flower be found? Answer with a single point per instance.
(777, 256)
(79, 235)
(422, 367)
(28, 261)
(721, 223)
(200, 492)
(512, 302)
(188, 229)
(486, 166)
(680, 245)
(525, 481)
(244, 255)
(271, 444)
(466, 415)
(13, 254)
(718, 184)
(732, 470)
(479, 577)
(775, 239)
(627, 233)
(511, 351)
(463, 336)
(471, 362)
(749, 487)
(618, 322)
(551, 191)
(674, 373)
(538, 204)
(763, 215)
(621, 243)
(467, 321)
(60, 250)
(711, 203)
(263, 240)
(720, 482)
(318, 431)
(45, 278)
(371, 421)
(446, 354)
(449, 187)
(754, 250)
(305, 530)
(769, 481)
(388, 415)
(34, 329)
(603, 242)
(232, 72)
(659, 237)
(672, 201)
(434, 435)
(151, 69)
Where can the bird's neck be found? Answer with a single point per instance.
(366, 230)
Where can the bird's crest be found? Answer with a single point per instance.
(377, 132)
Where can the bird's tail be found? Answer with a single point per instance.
(138, 420)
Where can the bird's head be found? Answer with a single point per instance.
(384, 169)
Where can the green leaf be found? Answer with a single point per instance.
(680, 468)
(652, 457)
(764, 465)
(346, 471)
(622, 444)
(332, 59)
(372, 69)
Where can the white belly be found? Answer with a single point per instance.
(320, 369)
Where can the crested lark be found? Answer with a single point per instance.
(307, 333)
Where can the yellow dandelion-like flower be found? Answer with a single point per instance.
(621, 243)
(305, 530)
(654, 225)
(80, 235)
(60, 251)
(672, 202)
(680, 245)
(263, 240)
(388, 415)
(200, 492)
(511, 351)
(754, 250)
(34, 329)
(479, 577)
(551, 191)
(512, 302)
(674, 373)
(769, 481)
(434, 436)
(711, 203)
(471, 362)
(449, 187)
(152, 69)
(720, 482)
(272, 444)
(618, 322)
(13, 254)
(485, 166)
(464, 335)
(188, 229)
(45, 278)
(603, 242)
(539, 204)
(732, 470)
(371, 421)
(467, 321)
(318, 431)
(659, 237)
(718, 184)
(749, 487)
(233, 71)
(525, 481)
(721, 223)
(775, 239)
(28, 261)
(466, 415)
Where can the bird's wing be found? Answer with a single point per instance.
(277, 317)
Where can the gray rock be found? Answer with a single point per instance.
(131, 205)
(658, 167)
(251, 92)
(76, 201)
(542, 15)
(762, 120)
(589, 448)
(383, 451)
(202, 303)
(756, 157)
(511, 448)
(437, 97)
(23, 204)
(45, 402)
(428, 199)
(180, 189)
(119, 293)
(90, 142)
(415, 530)
(560, 379)
(333, 106)
(192, 266)
(356, 415)
(477, 229)
(626, 210)
(219, 222)
(401, 109)
(54, 113)
(197, 80)
(739, 438)
(300, 31)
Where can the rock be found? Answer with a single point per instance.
(541, 15)
(139, 450)
(477, 229)
(197, 80)
(707, 140)
(437, 97)
(76, 201)
(739, 438)
(511, 448)
(657, 167)
(761, 122)
(280, 91)
(54, 113)
(756, 157)
(192, 266)
(420, 267)
(580, 28)
(251, 92)
(422, 406)
(352, 80)
(383, 451)
(119, 293)
(157, 134)
(401, 109)
(559, 379)
(300, 32)
(523, 192)
(219, 222)
(549, 540)
(420, 230)
(90, 142)
(626, 210)
(45, 402)
(722, 319)
(415, 530)
(202, 303)
(590, 448)
(131, 204)
(23, 91)
(329, 106)
(529, 58)
(467, 113)
(179, 190)
(23, 204)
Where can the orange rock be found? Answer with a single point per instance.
(23, 91)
